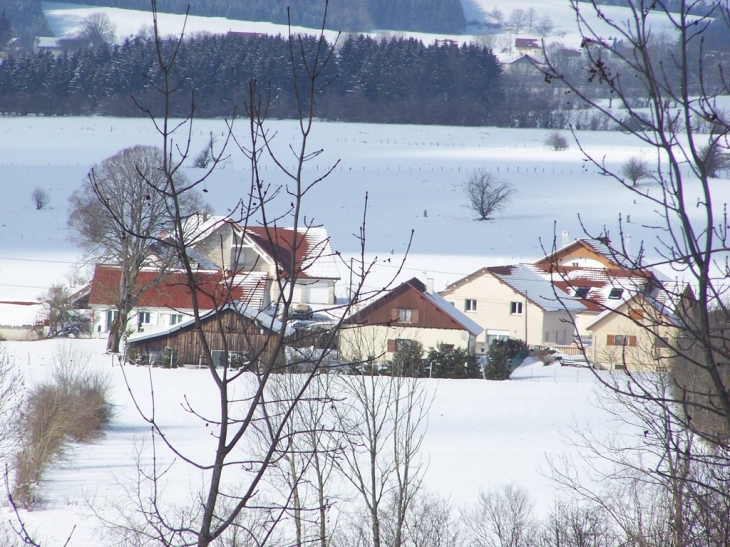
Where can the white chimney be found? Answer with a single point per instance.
(429, 285)
(565, 238)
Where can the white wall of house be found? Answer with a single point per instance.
(371, 341)
(495, 310)
(139, 320)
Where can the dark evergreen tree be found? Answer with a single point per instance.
(501, 358)
(445, 361)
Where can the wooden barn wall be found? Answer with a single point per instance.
(242, 335)
(429, 315)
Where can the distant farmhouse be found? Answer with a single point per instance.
(247, 266)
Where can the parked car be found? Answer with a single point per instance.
(301, 311)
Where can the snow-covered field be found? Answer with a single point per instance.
(411, 174)
(480, 435)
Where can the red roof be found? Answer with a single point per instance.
(312, 257)
(531, 43)
(172, 291)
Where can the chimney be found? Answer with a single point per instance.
(429, 285)
(565, 238)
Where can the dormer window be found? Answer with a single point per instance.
(582, 292)
(615, 293)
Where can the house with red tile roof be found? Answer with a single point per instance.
(304, 255)
(590, 272)
(250, 264)
(167, 300)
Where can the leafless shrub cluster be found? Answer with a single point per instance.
(40, 198)
(73, 405)
(556, 141)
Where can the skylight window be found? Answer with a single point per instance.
(581, 292)
(615, 293)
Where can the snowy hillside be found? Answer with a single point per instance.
(65, 19)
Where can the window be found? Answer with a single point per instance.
(661, 342)
(581, 292)
(615, 293)
(515, 308)
(176, 318)
(111, 316)
(470, 304)
(400, 344)
(143, 318)
(621, 340)
(404, 315)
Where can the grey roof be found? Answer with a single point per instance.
(525, 279)
(456, 315)
(263, 319)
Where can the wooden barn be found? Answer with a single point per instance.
(249, 334)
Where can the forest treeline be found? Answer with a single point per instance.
(446, 16)
(380, 81)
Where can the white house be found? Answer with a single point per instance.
(515, 302)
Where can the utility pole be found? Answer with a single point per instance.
(525, 317)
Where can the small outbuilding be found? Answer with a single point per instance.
(247, 335)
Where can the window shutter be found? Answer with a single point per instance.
(414, 316)
(632, 341)
(391, 345)
(394, 314)
(610, 340)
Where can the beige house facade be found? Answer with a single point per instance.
(407, 314)
(514, 302)
(635, 336)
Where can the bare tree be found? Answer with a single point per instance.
(497, 15)
(636, 169)
(517, 20)
(383, 420)
(486, 195)
(98, 29)
(714, 158)
(40, 198)
(678, 88)
(231, 498)
(531, 18)
(501, 518)
(124, 206)
(545, 26)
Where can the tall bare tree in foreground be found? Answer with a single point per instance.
(669, 101)
(383, 423)
(233, 500)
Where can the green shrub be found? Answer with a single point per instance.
(500, 356)
(448, 362)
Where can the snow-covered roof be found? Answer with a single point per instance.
(663, 298)
(20, 314)
(265, 320)
(455, 314)
(525, 279)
